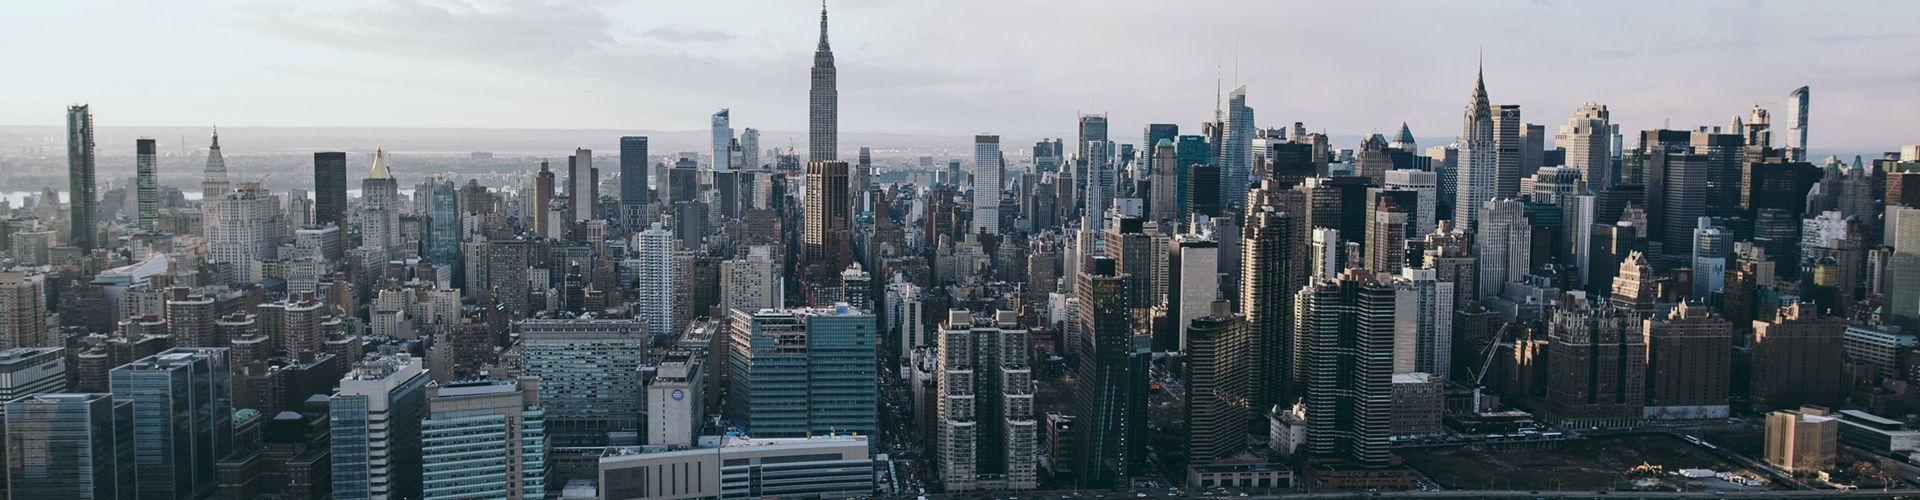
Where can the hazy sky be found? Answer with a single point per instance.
(957, 66)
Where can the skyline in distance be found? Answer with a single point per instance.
(955, 69)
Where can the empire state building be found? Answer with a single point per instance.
(823, 127)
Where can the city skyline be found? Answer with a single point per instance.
(610, 65)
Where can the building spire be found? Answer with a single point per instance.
(823, 25)
(379, 165)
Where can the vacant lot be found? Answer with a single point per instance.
(1586, 464)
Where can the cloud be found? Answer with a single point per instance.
(682, 34)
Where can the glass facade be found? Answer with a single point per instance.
(589, 374)
(374, 420)
(803, 372)
(183, 418)
(76, 446)
(467, 456)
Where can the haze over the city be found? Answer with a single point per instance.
(953, 68)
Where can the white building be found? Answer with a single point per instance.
(676, 400)
(1504, 241)
(238, 228)
(1423, 323)
(825, 467)
(654, 249)
(987, 172)
(752, 282)
(1426, 185)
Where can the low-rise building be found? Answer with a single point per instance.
(738, 467)
(1802, 441)
(1418, 399)
(1257, 475)
(1876, 433)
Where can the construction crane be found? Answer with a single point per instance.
(1479, 378)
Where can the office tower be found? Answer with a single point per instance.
(238, 234)
(214, 180)
(1324, 253)
(751, 282)
(376, 413)
(147, 183)
(1722, 154)
(23, 311)
(1218, 383)
(823, 110)
(507, 274)
(183, 418)
(1199, 177)
(1387, 238)
(1533, 148)
(1092, 135)
(1195, 282)
(653, 250)
(722, 140)
(906, 316)
(1586, 136)
(1903, 266)
(590, 380)
(1505, 242)
(1425, 185)
(633, 181)
(1711, 245)
(1348, 324)
(443, 229)
(1797, 124)
(80, 183)
(1507, 141)
(1479, 163)
(583, 185)
(802, 372)
(1423, 320)
(85, 446)
(1164, 205)
(1676, 189)
(330, 189)
(1111, 393)
(1236, 157)
(1598, 361)
(986, 184)
(1372, 160)
(1797, 359)
(856, 288)
(676, 399)
(825, 237)
(543, 203)
(380, 208)
(1689, 364)
(1151, 137)
(484, 439)
(987, 432)
(749, 149)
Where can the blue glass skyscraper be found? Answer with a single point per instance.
(443, 230)
(183, 418)
(803, 372)
(633, 182)
(85, 444)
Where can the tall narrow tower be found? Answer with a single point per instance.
(1479, 160)
(1797, 123)
(213, 183)
(823, 124)
(80, 197)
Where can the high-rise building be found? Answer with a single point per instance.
(590, 381)
(238, 233)
(543, 203)
(1797, 359)
(825, 236)
(80, 184)
(1633, 286)
(1587, 139)
(1505, 242)
(1689, 364)
(1164, 204)
(1199, 177)
(1272, 247)
(1111, 377)
(376, 413)
(330, 189)
(1508, 140)
(583, 185)
(213, 181)
(23, 311)
(1597, 358)
(750, 149)
(823, 108)
(183, 418)
(1711, 246)
(1676, 190)
(1423, 317)
(633, 181)
(380, 209)
(1348, 324)
(85, 443)
(442, 244)
(653, 262)
(722, 140)
(147, 183)
(1194, 281)
(987, 174)
(484, 439)
(1425, 186)
(1387, 238)
(751, 282)
(987, 432)
(1797, 123)
(1903, 266)
(802, 372)
(1218, 383)
(1236, 155)
(1479, 164)
(676, 399)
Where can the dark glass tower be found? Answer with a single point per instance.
(330, 189)
(1110, 402)
(633, 182)
(80, 197)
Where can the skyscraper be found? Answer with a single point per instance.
(1509, 141)
(147, 182)
(80, 184)
(1387, 238)
(484, 439)
(1479, 161)
(86, 443)
(1348, 324)
(380, 208)
(583, 185)
(214, 180)
(1587, 138)
(1217, 384)
(749, 149)
(722, 140)
(801, 372)
(1505, 242)
(330, 189)
(825, 238)
(238, 233)
(23, 310)
(1797, 123)
(543, 203)
(443, 229)
(987, 432)
(633, 182)
(1236, 155)
(654, 250)
(1273, 246)
(987, 175)
(1164, 204)
(751, 282)
(183, 418)
(823, 110)
(1111, 393)
(589, 373)
(376, 414)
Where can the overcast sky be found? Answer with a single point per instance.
(951, 66)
